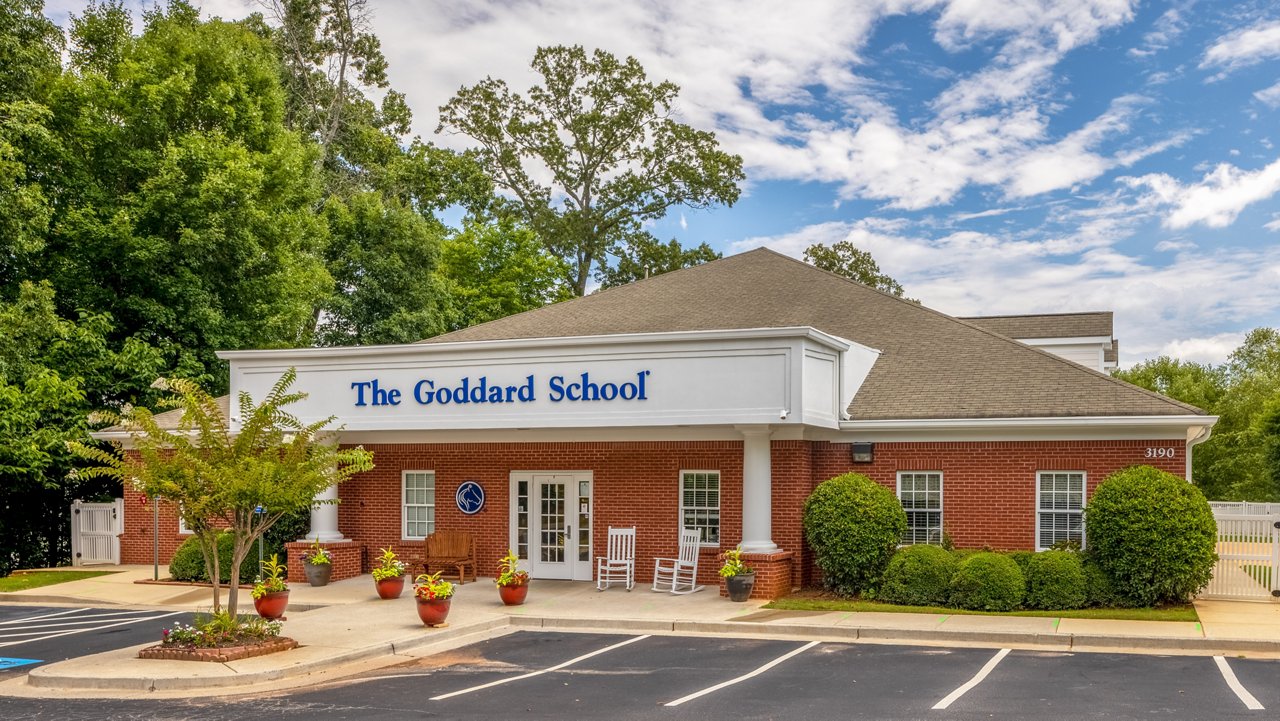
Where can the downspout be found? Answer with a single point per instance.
(1197, 439)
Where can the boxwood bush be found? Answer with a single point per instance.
(987, 582)
(853, 525)
(1153, 534)
(1100, 591)
(918, 576)
(187, 563)
(1055, 581)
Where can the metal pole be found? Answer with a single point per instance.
(155, 538)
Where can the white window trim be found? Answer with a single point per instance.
(404, 518)
(719, 506)
(942, 502)
(1084, 500)
(182, 524)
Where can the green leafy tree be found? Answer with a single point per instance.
(220, 474)
(52, 372)
(603, 136)
(844, 258)
(493, 270)
(645, 256)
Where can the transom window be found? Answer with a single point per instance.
(700, 504)
(1059, 508)
(419, 499)
(921, 495)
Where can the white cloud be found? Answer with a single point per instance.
(1212, 349)
(1270, 96)
(1216, 200)
(1244, 47)
(1165, 246)
(1164, 32)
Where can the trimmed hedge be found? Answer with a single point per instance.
(919, 575)
(853, 525)
(987, 581)
(187, 563)
(1100, 590)
(1153, 534)
(1055, 581)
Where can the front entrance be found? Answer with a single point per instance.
(551, 523)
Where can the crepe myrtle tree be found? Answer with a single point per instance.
(219, 474)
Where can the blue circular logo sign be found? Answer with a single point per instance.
(470, 497)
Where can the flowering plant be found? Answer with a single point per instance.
(429, 587)
(316, 555)
(220, 630)
(509, 573)
(391, 566)
(734, 565)
(271, 580)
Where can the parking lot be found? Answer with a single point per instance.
(544, 675)
(35, 635)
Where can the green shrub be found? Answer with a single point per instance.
(853, 525)
(187, 563)
(1100, 591)
(1153, 533)
(987, 582)
(918, 576)
(1023, 559)
(1055, 581)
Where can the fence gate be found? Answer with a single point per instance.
(1248, 557)
(95, 532)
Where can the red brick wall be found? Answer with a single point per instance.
(136, 542)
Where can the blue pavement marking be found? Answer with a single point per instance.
(7, 663)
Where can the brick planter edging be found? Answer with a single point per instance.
(773, 574)
(218, 655)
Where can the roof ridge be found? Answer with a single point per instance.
(1038, 315)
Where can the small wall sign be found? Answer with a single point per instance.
(470, 497)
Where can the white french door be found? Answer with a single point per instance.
(551, 523)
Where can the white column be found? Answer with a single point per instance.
(324, 518)
(757, 491)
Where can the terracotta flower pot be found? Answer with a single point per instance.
(318, 574)
(513, 595)
(390, 587)
(433, 611)
(272, 605)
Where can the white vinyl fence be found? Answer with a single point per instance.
(1243, 508)
(1248, 557)
(95, 532)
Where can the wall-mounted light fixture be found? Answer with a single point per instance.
(864, 452)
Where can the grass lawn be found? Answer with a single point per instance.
(817, 601)
(22, 580)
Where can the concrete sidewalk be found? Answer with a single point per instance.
(344, 628)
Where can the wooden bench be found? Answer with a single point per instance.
(452, 552)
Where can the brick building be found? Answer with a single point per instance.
(717, 398)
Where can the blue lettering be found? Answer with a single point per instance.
(359, 388)
(424, 392)
(628, 391)
(557, 389)
(526, 392)
(640, 380)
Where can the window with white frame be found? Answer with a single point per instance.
(700, 504)
(419, 504)
(1059, 508)
(920, 493)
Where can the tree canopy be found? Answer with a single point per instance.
(591, 153)
(844, 258)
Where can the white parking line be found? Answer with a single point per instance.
(59, 634)
(42, 616)
(557, 667)
(64, 624)
(977, 679)
(1241, 692)
(745, 676)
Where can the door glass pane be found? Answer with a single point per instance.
(551, 520)
(522, 519)
(584, 521)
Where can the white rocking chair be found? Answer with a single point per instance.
(620, 565)
(679, 575)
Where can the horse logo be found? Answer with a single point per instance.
(470, 497)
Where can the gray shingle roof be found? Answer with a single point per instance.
(932, 366)
(1048, 325)
(169, 420)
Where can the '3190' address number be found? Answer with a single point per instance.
(1161, 452)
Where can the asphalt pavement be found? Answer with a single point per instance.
(556, 675)
(31, 636)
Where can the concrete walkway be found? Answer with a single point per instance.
(344, 628)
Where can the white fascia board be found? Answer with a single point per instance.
(383, 351)
(1077, 340)
(965, 424)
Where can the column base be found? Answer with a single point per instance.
(773, 574)
(759, 547)
(325, 537)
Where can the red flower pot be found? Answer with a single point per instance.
(433, 611)
(272, 605)
(390, 587)
(513, 595)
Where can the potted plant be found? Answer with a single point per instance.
(389, 575)
(738, 577)
(318, 564)
(270, 592)
(513, 584)
(433, 596)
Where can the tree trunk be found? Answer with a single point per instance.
(208, 540)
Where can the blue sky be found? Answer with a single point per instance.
(995, 156)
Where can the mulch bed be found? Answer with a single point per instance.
(218, 655)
